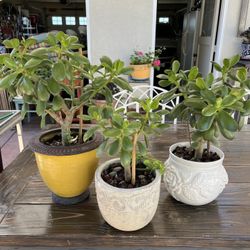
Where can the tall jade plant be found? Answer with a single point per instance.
(42, 74)
(122, 133)
(209, 106)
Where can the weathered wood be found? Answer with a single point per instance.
(29, 218)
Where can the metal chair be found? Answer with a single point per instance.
(124, 99)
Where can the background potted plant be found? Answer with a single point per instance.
(100, 99)
(141, 63)
(245, 45)
(127, 187)
(194, 171)
(66, 164)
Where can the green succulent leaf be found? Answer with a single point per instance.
(208, 95)
(27, 86)
(200, 83)
(32, 63)
(162, 76)
(57, 102)
(13, 43)
(247, 108)
(228, 100)
(225, 121)
(58, 71)
(226, 133)
(112, 132)
(122, 83)
(234, 60)
(217, 66)
(193, 73)
(53, 86)
(127, 144)
(42, 92)
(142, 148)
(242, 74)
(125, 158)
(40, 107)
(209, 110)
(175, 66)
(204, 123)
(164, 83)
(114, 147)
(89, 133)
(209, 79)
(7, 81)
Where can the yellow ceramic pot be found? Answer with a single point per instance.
(141, 72)
(66, 170)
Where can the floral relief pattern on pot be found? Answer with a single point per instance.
(127, 209)
(194, 185)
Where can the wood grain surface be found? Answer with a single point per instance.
(28, 218)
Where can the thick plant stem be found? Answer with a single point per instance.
(199, 152)
(66, 129)
(81, 108)
(133, 178)
(66, 135)
(189, 133)
(127, 172)
(208, 149)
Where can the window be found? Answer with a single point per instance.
(164, 19)
(82, 20)
(70, 20)
(56, 20)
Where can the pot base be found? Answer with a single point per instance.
(72, 200)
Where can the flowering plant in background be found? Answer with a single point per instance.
(150, 57)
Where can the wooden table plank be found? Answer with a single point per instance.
(29, 218)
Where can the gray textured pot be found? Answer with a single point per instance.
(126, 209)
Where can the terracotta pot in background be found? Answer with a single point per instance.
(141, 72)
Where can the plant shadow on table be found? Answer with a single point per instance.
(84, 218)
(176, 219)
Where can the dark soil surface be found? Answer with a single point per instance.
(56, 140)
(114, 175)
(188, 154)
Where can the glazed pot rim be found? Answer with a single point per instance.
(38, 147)
(106, 164)
(141, 64)
(195, 163)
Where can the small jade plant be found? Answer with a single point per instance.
(211, 107)
(41, 75)
(122, 133)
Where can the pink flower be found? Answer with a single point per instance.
(156, 63)
(139, 53)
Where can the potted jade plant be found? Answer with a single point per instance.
(194, 170)
(66, 164)
(245, 45)
(127, 187)
(141, 63)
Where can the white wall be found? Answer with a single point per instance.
(117, 27)
(228, 43)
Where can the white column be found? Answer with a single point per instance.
(228, 40)
(117, 27)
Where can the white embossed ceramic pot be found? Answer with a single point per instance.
(194, 183)
(126, 209)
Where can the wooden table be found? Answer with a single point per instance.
(9, 119)
(29, 218)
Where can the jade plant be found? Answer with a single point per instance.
(122, 133)
(211, 107)
(42, 74)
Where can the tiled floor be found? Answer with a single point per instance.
(10, 149)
